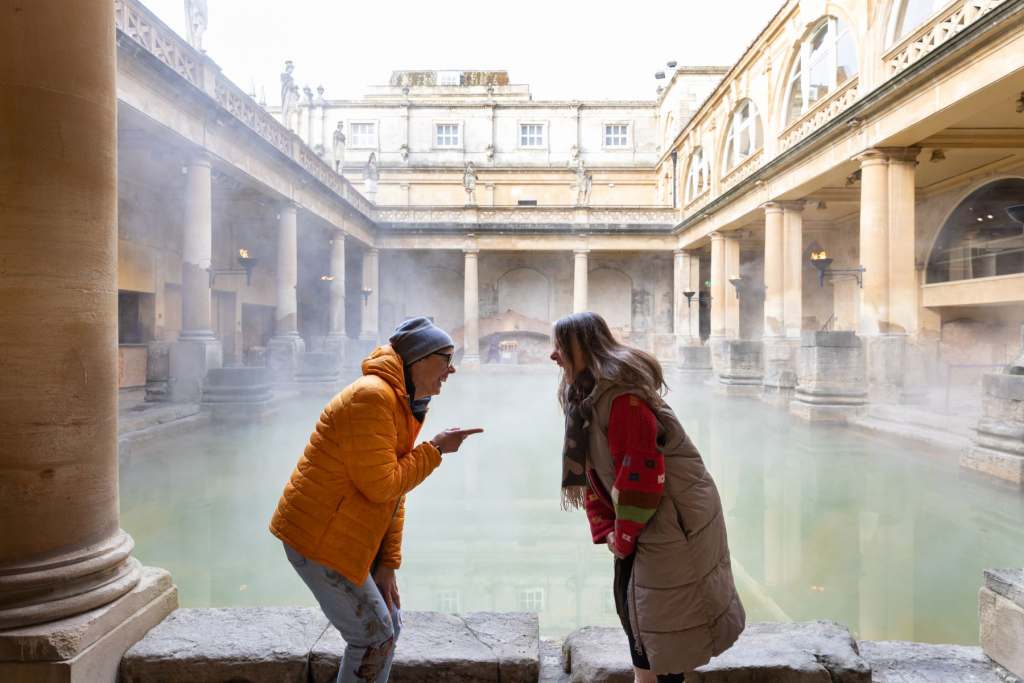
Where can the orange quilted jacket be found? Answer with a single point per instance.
(345, 500)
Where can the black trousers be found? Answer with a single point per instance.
(623, 572)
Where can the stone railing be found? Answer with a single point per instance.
(745, 168)
(937, 32)
(138, 23)
(526, 215)
(142, 26)
(822, 113)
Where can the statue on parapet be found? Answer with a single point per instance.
(469, 183)
(338, 146)
(584, 184)
(371, 176)
(196, 18)
(289, 94)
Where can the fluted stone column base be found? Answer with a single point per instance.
(830, 378)
(998, 448)
(282, 356)
(738, 366)
(238, 394)
(87, 648)
(190, 360)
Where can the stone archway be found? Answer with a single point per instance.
(527, 292)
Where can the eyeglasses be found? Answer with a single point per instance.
(447, 356)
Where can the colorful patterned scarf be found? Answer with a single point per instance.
(577, 444)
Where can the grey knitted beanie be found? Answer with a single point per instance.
(417, 338)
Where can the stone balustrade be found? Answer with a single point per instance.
(940, 30)
(614, 218)
(820, 114)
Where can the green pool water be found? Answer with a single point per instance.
(824, 522)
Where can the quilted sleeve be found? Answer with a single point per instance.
(369, 449)
(391, 547)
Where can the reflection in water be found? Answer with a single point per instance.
(824, 522)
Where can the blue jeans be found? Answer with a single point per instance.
(360, 614)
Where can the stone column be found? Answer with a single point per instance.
(371, 295)
(793, 278)
(198, 350)
(579, 280)
(874, 243)
(774, 271)
(286, 343)
(62, 552)
(336, 335)
(718, 285)
(686, 278)
(471, 301)
(732, 301)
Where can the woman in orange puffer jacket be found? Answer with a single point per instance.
(342, 512)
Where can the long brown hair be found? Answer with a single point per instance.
(604, 359)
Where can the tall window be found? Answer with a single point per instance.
(446, 135)
(907, 15)
(697, 176)
(531, 134)
(616, 134)
(826, 60)
(744, 137)
(530, 600)
(363, 134)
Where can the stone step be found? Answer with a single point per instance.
(957, 424)
(801, 652)
(146, 415)
(295, 644)
(903, 662)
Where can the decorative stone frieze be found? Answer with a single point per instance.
(822, 113)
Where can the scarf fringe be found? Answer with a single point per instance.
(573, 497)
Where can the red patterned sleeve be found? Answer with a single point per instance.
(639, 468)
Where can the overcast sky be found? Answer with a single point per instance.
(563, 49)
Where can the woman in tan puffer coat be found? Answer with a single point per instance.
(648, 496)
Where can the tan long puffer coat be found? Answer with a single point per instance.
(683, 604)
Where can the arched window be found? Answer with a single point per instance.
(907, 15)
(697, 178)
(980, 239)
(744, 137)
(826, 60)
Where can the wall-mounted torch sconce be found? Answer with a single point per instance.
(821, 261)
(366, 291)
(247, 263)
(689, 298)
(746, 287)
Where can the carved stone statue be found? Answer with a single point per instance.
(490, 152)
(574, 154)
(469, 183)
(584, 183)
(371, 175)
(338, 146)
(404, 151)
(196, 18)
(289, 93)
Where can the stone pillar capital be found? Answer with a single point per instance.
(581, 251)
(772, 207)
(717, 236)
(872, 157)
(199, 158)
(471, 252)
(793, 206)
(901, 155)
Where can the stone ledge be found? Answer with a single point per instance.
(904, 662)
(264, 645)
(806, 652)
(444, 647)
(1008, 583)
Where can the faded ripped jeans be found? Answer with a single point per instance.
(359, 613)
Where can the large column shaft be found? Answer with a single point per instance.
(774, 271)
(874, 243)
(286, 316)
(903, 288)
(581, 265)
(61, 549)
(471, 299)
(718, 285)
(371, 295)
(732, 300)
(793, 276)
(197, 249)
(337, 293)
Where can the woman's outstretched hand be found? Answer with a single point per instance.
(450, 440)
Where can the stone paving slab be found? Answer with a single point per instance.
(807, 652)
(904, 662)
(444, 648)
(252, 644)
